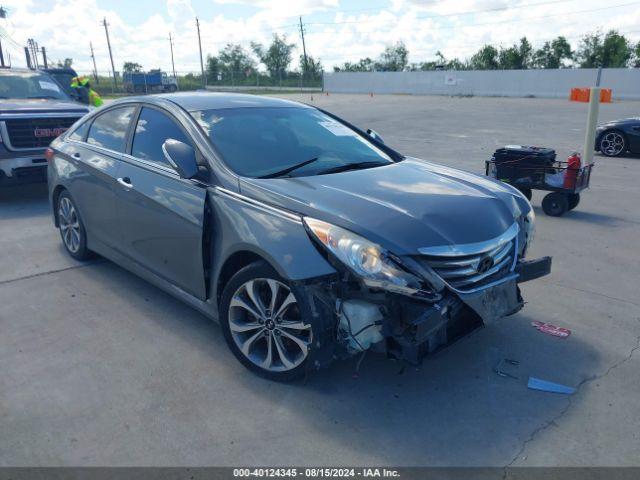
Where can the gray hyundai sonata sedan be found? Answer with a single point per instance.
(307, 238)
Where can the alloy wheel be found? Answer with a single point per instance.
(267, 327)
(612, 144)
(69, 225)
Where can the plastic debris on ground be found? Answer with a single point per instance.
(546, 386)
(551, 329)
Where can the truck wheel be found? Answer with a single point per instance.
(574, 200)
(555, 204)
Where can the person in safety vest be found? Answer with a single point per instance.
(86, 93)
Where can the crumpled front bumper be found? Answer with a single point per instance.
(458, 313)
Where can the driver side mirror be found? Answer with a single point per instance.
(375, 135)
(181, 156)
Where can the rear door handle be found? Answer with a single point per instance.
(125, 182)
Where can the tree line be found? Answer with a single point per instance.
(610, 50)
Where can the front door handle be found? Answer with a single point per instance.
(125, 182)
(76, 155)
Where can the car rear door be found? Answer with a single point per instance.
(161, 215)
(95, 150)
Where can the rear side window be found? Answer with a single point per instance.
(79, 133)
(109, 130)
(153, 128)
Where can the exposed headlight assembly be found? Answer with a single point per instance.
(366, 259)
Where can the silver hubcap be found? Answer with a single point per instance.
(69, 225)
(267, 326)
(612, 143)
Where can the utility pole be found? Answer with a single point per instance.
(304, 50)
(1, 55)
(33, 53)
(173, 65)
(95, 69)
(204, 79)
(44, 57)
(113, 68)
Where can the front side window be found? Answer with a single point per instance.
(16, 84)
(109, 130)
(152, 130)
(261, 142)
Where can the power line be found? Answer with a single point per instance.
(457, 14)
(501, 22)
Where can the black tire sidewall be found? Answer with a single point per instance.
(252, 271)
(573, 200)
(555, 204)
(83, 252)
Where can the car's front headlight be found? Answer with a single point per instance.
(529, 228)
(364, 258)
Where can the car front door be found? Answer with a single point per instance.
(95, 150)
(161, 215)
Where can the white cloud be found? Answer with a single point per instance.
(65, 27)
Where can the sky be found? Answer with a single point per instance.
(336, 30)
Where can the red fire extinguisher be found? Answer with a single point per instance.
(571, 173)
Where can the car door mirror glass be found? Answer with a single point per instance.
(181, 156)
(375, 135)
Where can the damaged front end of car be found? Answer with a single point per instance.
(409, 306)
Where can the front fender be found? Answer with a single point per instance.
(242, 224)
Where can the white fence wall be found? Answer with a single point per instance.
(624, 82)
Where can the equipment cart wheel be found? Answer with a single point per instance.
(526, 192)
(574, 200)
(555, 204)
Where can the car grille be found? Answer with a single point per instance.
(468, 268)
(36, 132)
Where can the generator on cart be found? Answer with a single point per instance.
(535, 168)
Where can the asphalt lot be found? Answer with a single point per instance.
(100, 368)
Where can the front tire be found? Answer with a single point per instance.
(555, 204)
(612, 143)
(72, 231)
(266, 323)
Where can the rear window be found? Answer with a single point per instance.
(109, 130)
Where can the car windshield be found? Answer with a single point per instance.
(286, 141)
(14, 84)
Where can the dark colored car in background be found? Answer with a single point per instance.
(33, 111)
(307, 238)
(618, 137)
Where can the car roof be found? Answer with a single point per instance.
(192, 101)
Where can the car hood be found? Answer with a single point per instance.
(403, 206)
(38, 105)
(621, 122)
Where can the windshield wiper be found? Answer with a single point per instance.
(290, 169)
(45, 96)
(352, 166)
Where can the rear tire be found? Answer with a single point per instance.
(555, 204)
(267, 323)
(573, 200)
(71, 226)
(612, 143)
